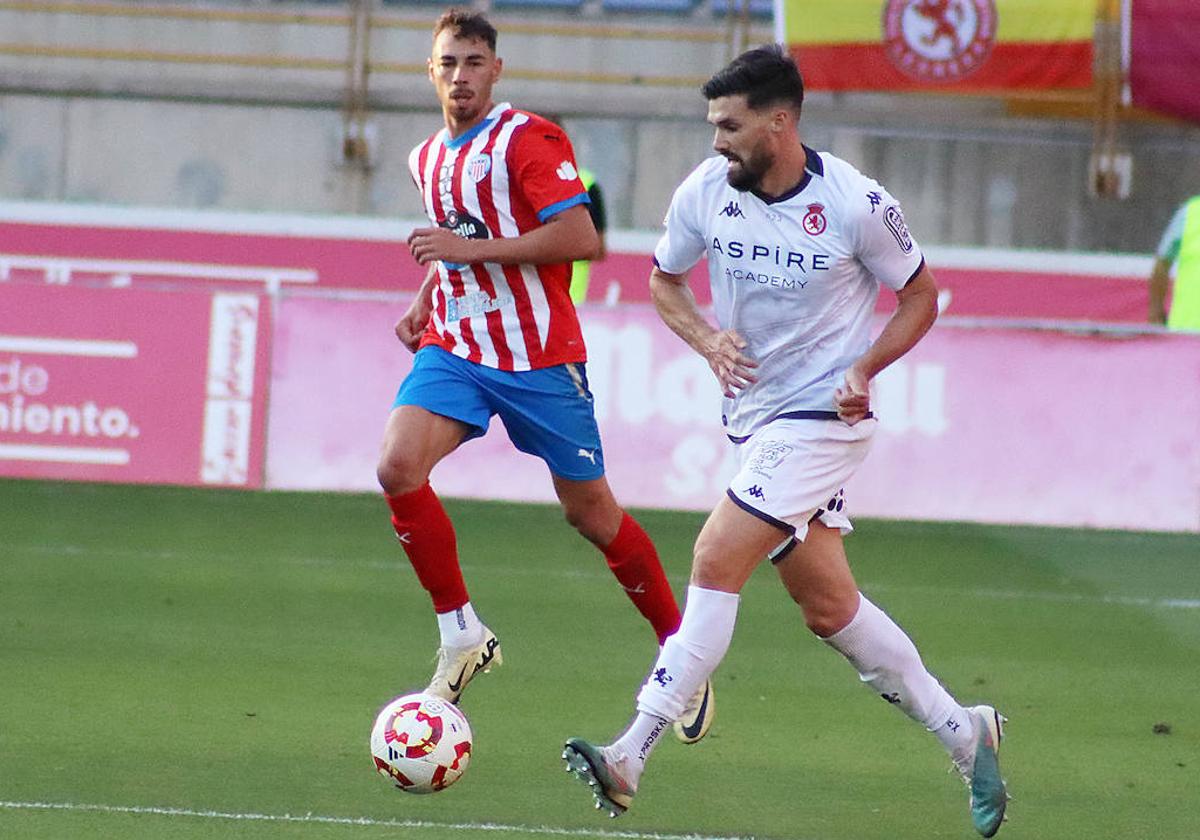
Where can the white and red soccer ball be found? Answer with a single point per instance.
(421, 743)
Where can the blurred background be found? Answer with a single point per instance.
(311, 107)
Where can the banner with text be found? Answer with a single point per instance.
(132, 385)
(979, 425)
(956, 45)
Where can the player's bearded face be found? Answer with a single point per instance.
(742, 138)
(463, 71)
(746, 173)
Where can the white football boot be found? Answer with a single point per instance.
(458, 666)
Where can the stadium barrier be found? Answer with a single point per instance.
(133, 385)
(979, 423)
(239, 351)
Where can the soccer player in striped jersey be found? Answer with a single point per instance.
(798, 243)
(495, 333)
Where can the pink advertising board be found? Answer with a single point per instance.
(132, 385)
(976, 424)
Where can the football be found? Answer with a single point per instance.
(421, 743)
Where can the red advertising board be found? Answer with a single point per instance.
(132, 385)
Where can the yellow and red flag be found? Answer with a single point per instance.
(959, 45)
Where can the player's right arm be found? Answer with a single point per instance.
(722, 349)
(413, 322)
(1160, 278)
(1164, 258)
(682, 245)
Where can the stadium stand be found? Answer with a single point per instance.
(537, 4)
(669, 6)
(755, 8)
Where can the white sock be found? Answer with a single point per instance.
(634, 746)
(686, 660)
(957, 734)
(888, 661)
(461, 627)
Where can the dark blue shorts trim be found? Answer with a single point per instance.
(765, 517)
(806, 414)
(776, 557)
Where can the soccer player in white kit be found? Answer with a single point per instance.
(797, 244)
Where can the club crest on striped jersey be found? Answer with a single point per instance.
(478, 167)
(939, 41)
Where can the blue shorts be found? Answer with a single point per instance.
(548, 412)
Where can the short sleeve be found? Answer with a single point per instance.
(414, 164)
(883, 242)
(683, 242)
(544, 164)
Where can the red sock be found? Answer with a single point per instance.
(635, 563)
(427, 535)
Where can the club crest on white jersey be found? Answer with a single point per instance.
(796, 275)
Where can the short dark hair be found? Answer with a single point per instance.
(767, 75)
(467, 23)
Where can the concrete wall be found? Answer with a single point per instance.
(233, 107)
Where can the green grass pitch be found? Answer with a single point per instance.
(206, 664)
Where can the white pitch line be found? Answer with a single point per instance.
(68, 347)
(542, 830)
(64, 454)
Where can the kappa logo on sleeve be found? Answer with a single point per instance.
(566, 170)
(894, 219)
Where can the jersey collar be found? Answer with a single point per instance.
(467, 136)
(812, 166)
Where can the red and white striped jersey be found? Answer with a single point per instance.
(503, 178)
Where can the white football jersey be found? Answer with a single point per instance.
(796, 276)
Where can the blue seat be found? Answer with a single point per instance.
(672, 6)
(540, 4)
(757, 8)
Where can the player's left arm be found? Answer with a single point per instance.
(916, 310)
(565, 237)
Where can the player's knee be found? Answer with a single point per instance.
(827, 617)
(398, 475)
(582, 520)
(597, 523)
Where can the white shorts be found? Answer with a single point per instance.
(792, 471)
